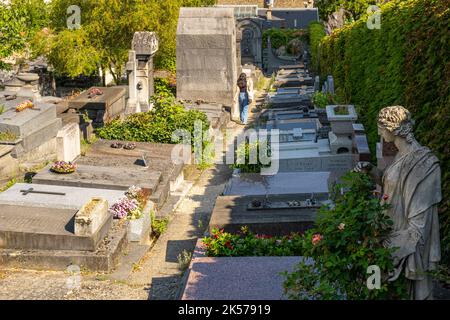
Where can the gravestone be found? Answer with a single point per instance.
(206, 55)
(31, 228)
(140, 71)
(101, 108)
(9, 166)
(53, 196)
(260, 278)
(330, 84)
(68, 143)
(157, 155)
(95, 176)
(247, 184)
(232, 213)
(30, 128)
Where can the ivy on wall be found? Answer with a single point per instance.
(405, 62)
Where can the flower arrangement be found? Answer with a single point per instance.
(63, 167)
(24, 105)
(221, 243)
(132, 205)
(130, 146)
(94, 92)
(126, 208)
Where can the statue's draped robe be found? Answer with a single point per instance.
(413, 186)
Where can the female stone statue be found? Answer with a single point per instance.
(412, 187)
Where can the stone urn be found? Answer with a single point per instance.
(139, 229)
(30, 89)
(91, 217)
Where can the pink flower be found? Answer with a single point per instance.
(316, 239)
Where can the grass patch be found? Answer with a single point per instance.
(8, 136)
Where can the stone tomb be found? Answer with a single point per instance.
(68, 142)
(158, 158)
(250, 184)
(71, 198)
(44, 227)
(232, 213)
(30, 128)
(206, 55)
(237, 278)
(101, 108)
(103, 177)
(31, 228)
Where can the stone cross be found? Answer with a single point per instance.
(140, 71)
(31, 190)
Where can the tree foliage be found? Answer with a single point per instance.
(406, 62)
(356, 8)
(107, 28)
(19, 21)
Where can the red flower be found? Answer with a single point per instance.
(316, 238)
(385, 197)
(228, 245)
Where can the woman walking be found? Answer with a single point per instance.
(244, 99)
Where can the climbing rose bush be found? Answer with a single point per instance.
(246, 243)
(347, 239)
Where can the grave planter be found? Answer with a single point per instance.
(91, 217)
(139, 229)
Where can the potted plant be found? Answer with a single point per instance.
(136, 208)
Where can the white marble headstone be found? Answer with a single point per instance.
(68, 142)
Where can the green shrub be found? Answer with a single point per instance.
(159, 226)
(321, 100)
(164, 88)
(244, 151)
(347, 239)
(156, 125)
(247, 244)
(405, 63)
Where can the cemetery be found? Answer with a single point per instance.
(119, 153)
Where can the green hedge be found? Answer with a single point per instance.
(316, 32)
(406, 62)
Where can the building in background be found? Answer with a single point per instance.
(253, 17)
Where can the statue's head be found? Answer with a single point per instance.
(394, 122)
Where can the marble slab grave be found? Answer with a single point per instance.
(37, 228)
(259, 278)
(27, 121)
(249, 184)
(158, 159)
(73, 198)
(114, 178)
(231, 213)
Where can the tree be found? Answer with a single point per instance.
(19, 21)
(355, 8)
(107, 28)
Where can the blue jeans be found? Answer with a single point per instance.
(243, 106)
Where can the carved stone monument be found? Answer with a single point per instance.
(140, 71)
(412, 186)
(206, 55)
